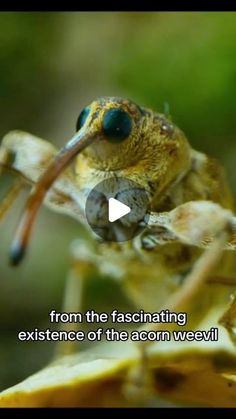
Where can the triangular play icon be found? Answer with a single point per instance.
(116, 210)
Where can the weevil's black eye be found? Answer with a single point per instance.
(82, 118)
(117, 125)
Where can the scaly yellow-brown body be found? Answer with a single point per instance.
(151, 151)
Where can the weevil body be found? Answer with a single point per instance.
(190, 203)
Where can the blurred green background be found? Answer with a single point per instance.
(51, 66)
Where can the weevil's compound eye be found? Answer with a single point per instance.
(82, 118)
(117, 125)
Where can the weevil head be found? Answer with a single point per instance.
(117, 123)
(130, 138)
(113, 135)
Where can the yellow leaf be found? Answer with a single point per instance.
(185, 373)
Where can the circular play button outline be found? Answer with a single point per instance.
(118, 199)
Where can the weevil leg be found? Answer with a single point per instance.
(25, 154)
(206, 225)
(10, 197)
(201, 270)
(228, 320)
(140, 382)
(29, 156)
(82, 268)
(212, 230)
(138, 387)
(87, 262)
(195, 223)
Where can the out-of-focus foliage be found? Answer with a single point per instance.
(51, 66)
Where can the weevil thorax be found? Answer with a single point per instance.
(133, 142)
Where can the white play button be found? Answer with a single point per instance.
(116, 210)
(115, 207)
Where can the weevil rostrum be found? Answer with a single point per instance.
(184, 258)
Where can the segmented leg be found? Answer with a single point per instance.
(139, 384)
(197, 223)
(11, 196)
(193, 282)
(194, 223)
(26, 154)
(29, 157)
(205, 225)
(228, 320)
(86, 263)
(83, 267)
